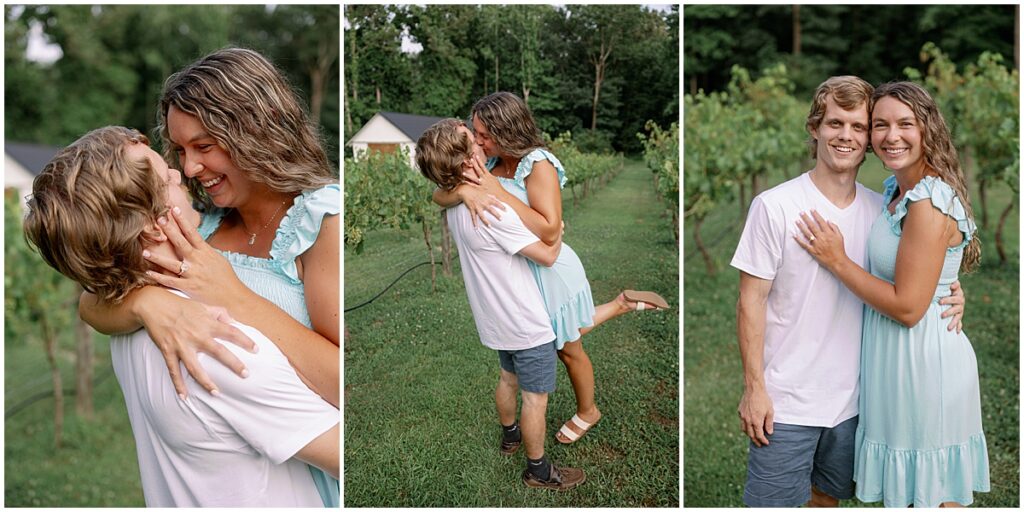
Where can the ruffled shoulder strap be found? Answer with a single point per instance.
(942, 197)
(526, 166)
(210, 222)
(889, 189)
(301, 225)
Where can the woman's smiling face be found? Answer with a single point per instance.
(896, 134)
(203, 158)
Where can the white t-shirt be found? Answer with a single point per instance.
(503, 294)
(813, 328)
(234, 450)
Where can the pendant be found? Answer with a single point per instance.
(252, 239)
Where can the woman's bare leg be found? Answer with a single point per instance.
(950, 504)
(611, 309)
(581, 375)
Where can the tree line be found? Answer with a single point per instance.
(598, 71)
(875, 42)
(115, 58)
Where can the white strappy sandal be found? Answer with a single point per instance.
(571, 434)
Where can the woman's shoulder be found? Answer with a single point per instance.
(942, 198)
(527, 163)
(939, 193)
(301, 225)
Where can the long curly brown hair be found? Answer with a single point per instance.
(939, 152)
(510, 122)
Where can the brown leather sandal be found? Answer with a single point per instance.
(642, 299)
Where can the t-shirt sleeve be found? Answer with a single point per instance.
(759, 252)
(272, 409)
(509, 232)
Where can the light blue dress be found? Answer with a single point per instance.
(564, 285)
(919, 439)
(277, 278)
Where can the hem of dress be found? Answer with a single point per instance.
(971, 456)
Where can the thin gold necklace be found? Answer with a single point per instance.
(252, 236)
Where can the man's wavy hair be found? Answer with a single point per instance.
(509, 122)
(249, 108)
(938, 149)
(89, 210)
(440, 152)
(848, 91)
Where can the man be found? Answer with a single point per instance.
(95, 209)
(506, 303)
(799, 328)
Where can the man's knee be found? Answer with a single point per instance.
(508, 379)
(534, 400)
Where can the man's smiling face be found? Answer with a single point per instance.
(842, 137)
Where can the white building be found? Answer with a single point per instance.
(22, 163)
(388, 132)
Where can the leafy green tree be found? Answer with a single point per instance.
(770, 127)
(708, 181)
(446, 67)
(39, 303)
(661, 154)
(117, 57)
(378, 74)
(875, 42)
(535, 51)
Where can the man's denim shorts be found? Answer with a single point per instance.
(534, 367)
(780, 474)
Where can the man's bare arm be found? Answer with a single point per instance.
(755, 410)
(323, 452)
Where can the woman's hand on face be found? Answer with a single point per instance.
(485, 179)
(182, 328)
(202, 272)
(821, 238)
(479, 196)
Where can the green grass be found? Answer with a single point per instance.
(716, 450)
(420, 425)
(95, 467)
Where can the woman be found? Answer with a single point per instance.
(529, 178)
(270, 203)
(920, 439)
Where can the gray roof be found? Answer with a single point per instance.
(32, 157)
(410, 124)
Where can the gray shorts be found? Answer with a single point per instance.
(534, 367)
(781, 473)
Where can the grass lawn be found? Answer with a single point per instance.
(716, 450)
(420, 425)
(95, 467)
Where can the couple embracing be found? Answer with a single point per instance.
(851, 373)
(528, 291)
(247, 229)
